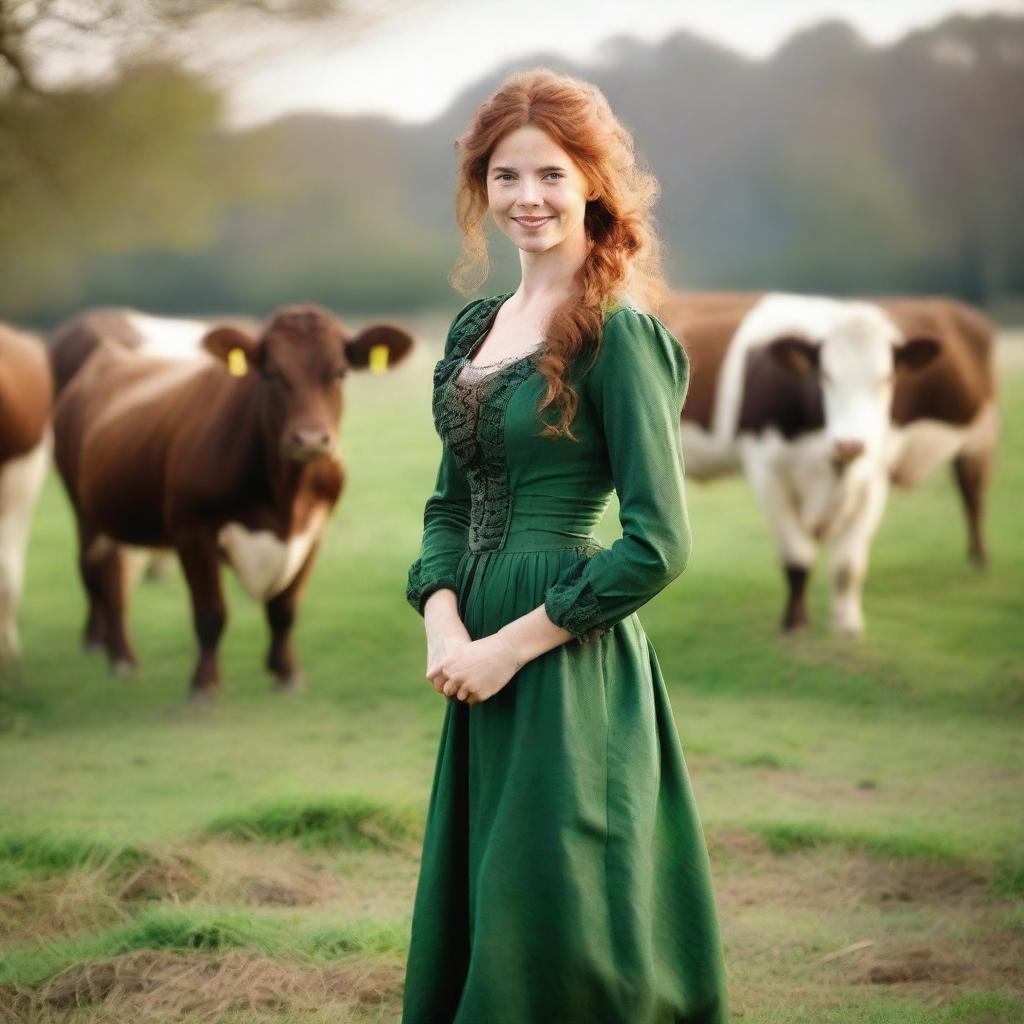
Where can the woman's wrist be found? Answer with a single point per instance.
(441, 612)
(532, 635)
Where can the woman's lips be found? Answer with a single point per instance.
(531, 222)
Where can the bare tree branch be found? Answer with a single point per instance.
(30, 30)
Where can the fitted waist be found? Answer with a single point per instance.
(542, 523)
(545, 540)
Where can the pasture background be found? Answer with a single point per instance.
(255, 860)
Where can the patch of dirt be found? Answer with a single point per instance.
(151, 986)
(737, 844)
(907, 881)
(898, 921)
(993, 962)
(747, 871)
(911, 965)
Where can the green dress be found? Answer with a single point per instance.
(564, 875)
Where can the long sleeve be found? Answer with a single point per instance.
(446, 513)
(637, 385)
(445, 532)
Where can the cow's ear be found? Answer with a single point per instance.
(234, 347)
(796, 354)
(915, 353)
(379, 347)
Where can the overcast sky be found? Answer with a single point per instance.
(411, 67)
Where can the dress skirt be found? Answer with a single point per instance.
(564, 875)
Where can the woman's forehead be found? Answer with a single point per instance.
(529, 147)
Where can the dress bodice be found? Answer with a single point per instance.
(524, 490)
(503, 486)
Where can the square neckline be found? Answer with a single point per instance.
(504, 365)
(501, 364)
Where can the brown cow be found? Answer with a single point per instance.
(822, 403)
(240, 465)
(26, 398)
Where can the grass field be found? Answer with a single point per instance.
(255, 860)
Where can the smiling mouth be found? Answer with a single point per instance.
(531, 222)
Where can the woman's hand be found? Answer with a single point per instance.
(477, 670)
(440, 644)
(445, 632)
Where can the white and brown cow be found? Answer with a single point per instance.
(226, 455)
(26, 398)
(822, 403)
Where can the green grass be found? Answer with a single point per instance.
(354, 821)
(895, 753)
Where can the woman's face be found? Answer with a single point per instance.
(535, 192)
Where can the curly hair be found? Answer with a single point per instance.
(624, 253)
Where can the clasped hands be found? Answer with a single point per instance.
(469, 670)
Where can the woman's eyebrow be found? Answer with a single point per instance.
(540, 170)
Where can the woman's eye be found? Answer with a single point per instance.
(504, 177)
(554, 174)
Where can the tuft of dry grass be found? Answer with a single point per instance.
(150, 985)
(96, 897)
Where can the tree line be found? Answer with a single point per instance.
(833, 166)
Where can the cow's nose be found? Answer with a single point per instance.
(306, 443)
(848, 450)
(844, 452)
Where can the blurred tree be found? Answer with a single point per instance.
(120, 167)
(31, 30)
(103, 150)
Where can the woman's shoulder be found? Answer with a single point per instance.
(633, 336)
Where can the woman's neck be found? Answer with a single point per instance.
(549, 277)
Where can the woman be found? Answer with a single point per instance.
(564, 875)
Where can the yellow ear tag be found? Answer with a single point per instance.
(238, 365)
(379, 358)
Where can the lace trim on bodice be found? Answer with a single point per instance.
(469, 413)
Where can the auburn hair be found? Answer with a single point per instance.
(623, 253)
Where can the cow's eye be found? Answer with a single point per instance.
(274, 376)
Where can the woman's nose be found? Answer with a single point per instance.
(527, 195)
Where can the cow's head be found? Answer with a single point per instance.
(855, 354)
(300, 360)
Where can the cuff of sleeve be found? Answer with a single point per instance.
(419, 587)
(572, 604)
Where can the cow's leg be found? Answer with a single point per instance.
(94, 635)
(105, 573)
(200, 561)
(795, 547)
(848, 556)
(20, 482)
(972, 471)
(281, 617)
